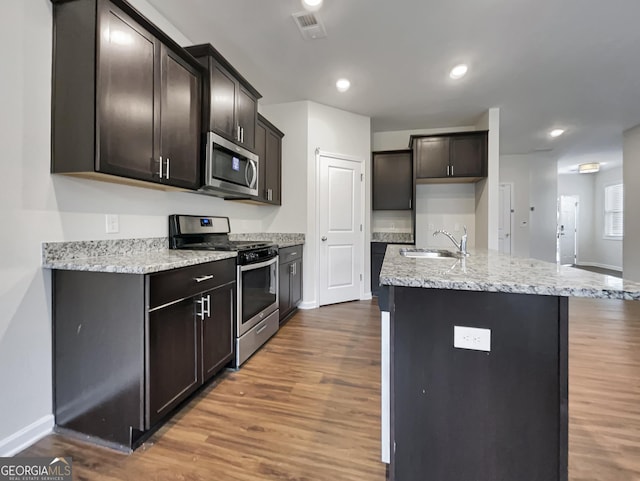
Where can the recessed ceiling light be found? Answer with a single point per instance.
(312, 5)
(343, 85)
(589, 168)
(556, 132)
(458, 71)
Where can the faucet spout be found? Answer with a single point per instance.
(461, 246)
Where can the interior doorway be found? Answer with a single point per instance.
(567, 229)
(340, 220)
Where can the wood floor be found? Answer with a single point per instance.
(306, 407)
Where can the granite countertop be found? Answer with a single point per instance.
(490, 271)
(392, 237)
(141, 256)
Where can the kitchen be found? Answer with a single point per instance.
(60, 208)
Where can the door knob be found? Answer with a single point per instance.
(324, 238)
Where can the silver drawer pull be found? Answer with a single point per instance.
(203, 278)
(258, 331)
(293, 254)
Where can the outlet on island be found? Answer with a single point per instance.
(112, 223)
(472, 338)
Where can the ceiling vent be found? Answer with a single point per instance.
(309, 25)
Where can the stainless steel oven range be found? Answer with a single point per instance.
(257, 314)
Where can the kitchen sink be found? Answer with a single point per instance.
(428, 253)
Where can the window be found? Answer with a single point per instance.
(613, 215)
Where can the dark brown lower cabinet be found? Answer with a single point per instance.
(483, 415)
(290, 280)
(129, 349)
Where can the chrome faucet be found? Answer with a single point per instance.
(462, 246)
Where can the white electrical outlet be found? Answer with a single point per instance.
(456, 227)
(112, 223)
(472, 338)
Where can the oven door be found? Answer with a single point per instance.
(257, 293)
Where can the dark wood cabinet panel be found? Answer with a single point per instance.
(269, 150)
(247, 111)
(125, 96)
(173, 357)
(377, 257)
(128, 88)
(392, 181)
(217, 330)
(456, 157)
(468, 156)
(290, 279)
(432, 157)
(222, 116)
(231, 103)
(180, 121)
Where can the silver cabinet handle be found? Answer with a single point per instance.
(208, 305)
(242, 134)
(293, 253)
(160, 169)
(295, 268)
(291, 269)
(447, 170)
(269, 194)
(452, 170)
(238, 132)
(410, 200)
(323, 238)
(203, 278)
(168, 160)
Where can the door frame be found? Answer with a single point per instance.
(352, 158)
(512, 210)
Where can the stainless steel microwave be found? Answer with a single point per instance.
(230, 170)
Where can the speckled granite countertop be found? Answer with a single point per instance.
(392, 237)
(141, 256)
(491, 271)
(282, 240)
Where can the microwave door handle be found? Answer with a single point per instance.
(246, 174)
(254, 177)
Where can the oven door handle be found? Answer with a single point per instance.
(259, 265)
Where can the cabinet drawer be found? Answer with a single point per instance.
(290, 254)
(176, 284)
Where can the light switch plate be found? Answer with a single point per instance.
(472, 338)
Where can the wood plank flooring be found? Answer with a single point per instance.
(306, 407)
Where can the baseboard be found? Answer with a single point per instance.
(308, 305)
(367, 296)
(601, 266)
(28, 435)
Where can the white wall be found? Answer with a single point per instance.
(391, 221)
(608, 252)
(38, 207)
(631, 173)
(534, 180)
(339, 132)
(488, 190)
(448, 207)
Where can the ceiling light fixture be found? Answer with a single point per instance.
(556, 132)
(312, 5)
(458, 71)
(589, 168)
(343, 85)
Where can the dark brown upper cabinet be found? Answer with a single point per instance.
(126, 98)
(392, 180)
(230, 104)
(457, 157)
(269, 150)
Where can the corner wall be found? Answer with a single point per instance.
(631, 174)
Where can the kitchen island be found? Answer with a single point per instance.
(490, 402)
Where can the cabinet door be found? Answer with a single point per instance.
(296, 283)
(173, 358)
(284, 292)
(128, 101)
(223, 101)
(261, 151)
(273, 167)
(246, 112)
(217, 329)
(392, 181)
(468, 155)
(432, 157)
(180, 122)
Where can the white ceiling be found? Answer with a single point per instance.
(571, 64)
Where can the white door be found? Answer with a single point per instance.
(340, 230)
(567, 228)
(504, 222)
